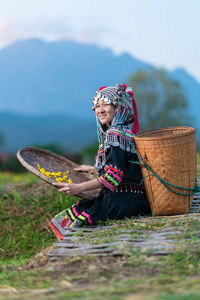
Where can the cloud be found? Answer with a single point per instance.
(13, 30)
(10, 31)
(52, 29)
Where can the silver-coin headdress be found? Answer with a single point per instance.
(122, 98)
(125, 117)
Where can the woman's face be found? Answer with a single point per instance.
(105, 112)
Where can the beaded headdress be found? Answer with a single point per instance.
(125, 117)
(122, 98)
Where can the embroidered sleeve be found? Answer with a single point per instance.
(113, 171)
(112, 177)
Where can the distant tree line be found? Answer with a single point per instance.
(2, 140)
(160, 100)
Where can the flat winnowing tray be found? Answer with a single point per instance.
(31, 157)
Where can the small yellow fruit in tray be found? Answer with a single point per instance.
(59, 176)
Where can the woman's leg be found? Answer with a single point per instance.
(115, 206)
(68, 218)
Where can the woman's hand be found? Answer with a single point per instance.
(85, 168)
(71, 189)
(77, 188)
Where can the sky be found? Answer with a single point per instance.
(165, 33)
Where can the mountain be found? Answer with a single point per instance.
(49, 87)
(25, 130)
(42, 78)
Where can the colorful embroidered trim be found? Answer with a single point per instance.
(85, 217)
(112, 177)
(88, 217)
(114, 169)
(117, 131)
(107, 184)
(121, 137)
(62, 213)
(100, 152)
(73, 214)
(81, 218)
(56, 230)
(74, 211)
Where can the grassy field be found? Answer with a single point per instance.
(25, 272)
(26, 208)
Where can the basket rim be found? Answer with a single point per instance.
(42, 176)
(43, 151)
(142, 136)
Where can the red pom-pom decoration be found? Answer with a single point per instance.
(131, 93)
(136, 126)
(124, 87)
(103, 87)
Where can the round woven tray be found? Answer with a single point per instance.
(30, 157)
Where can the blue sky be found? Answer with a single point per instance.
(165, 33)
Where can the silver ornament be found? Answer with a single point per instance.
(115, 102)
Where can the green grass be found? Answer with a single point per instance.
(24, 233)
(24, 220)
(7, 178)
(175, 276)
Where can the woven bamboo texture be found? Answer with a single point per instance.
(30, 157)
(171, 153)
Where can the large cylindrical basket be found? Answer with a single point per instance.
(171, 153)
(32, 157)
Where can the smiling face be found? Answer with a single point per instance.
(105, 112)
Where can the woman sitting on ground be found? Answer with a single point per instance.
(122, 195)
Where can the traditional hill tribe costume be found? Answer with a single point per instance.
(123, 193)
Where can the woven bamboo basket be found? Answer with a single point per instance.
(30, 157)
(171, 153)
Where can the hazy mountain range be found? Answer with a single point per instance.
(20, 130)
(46, 90)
